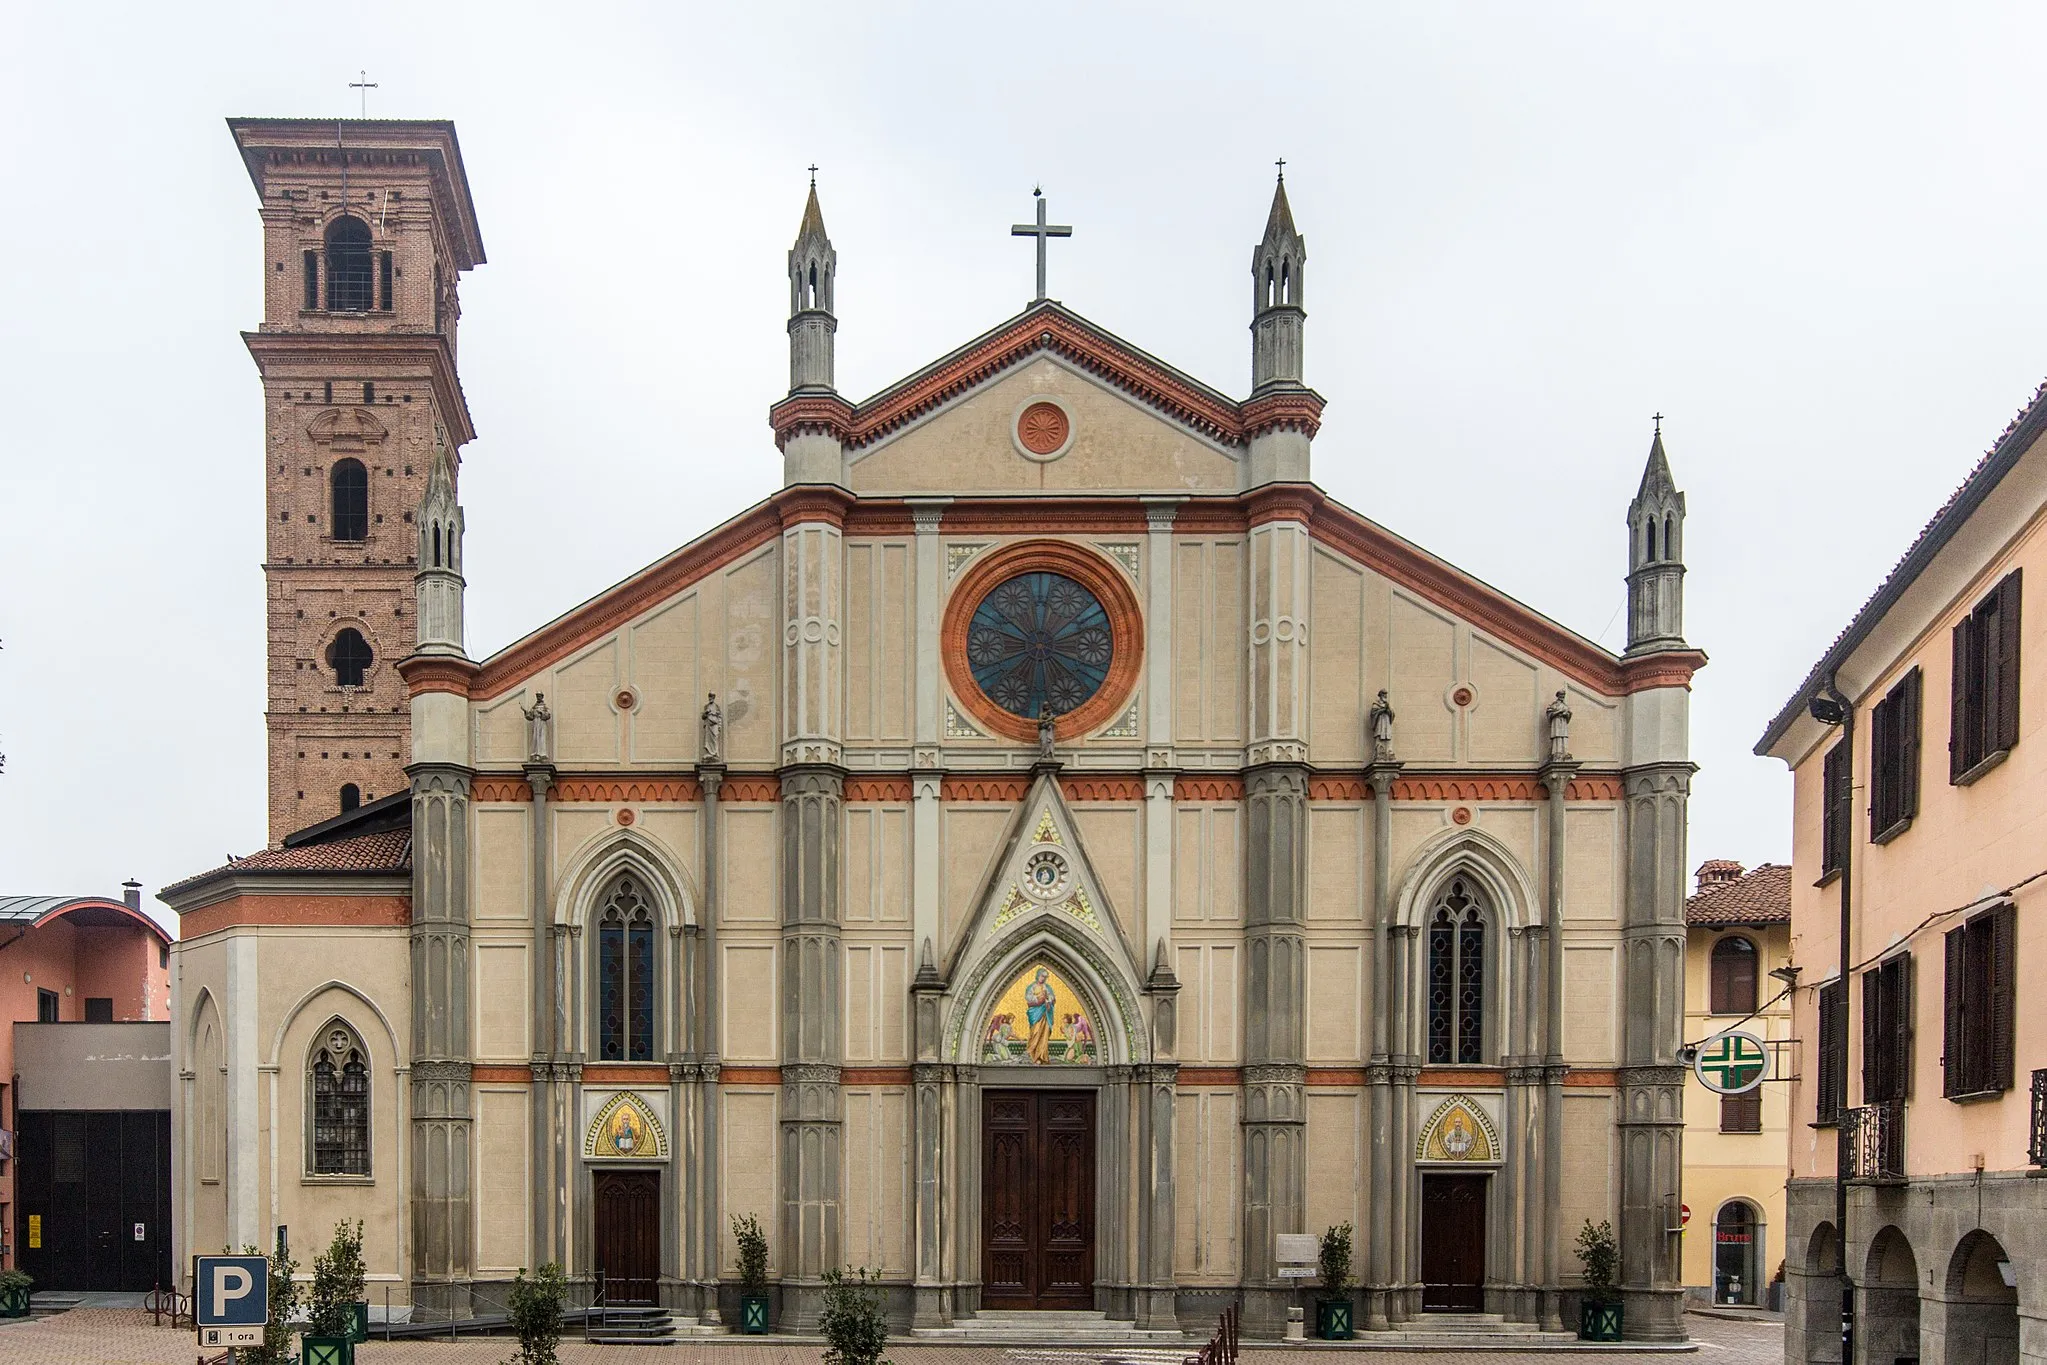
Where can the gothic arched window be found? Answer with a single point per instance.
(348, 265)
(1457, 980)
(625, 975)
(338, 1095)
(350, 483)
(1734, 976)
(350, 657)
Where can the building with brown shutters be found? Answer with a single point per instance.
(1919, 1112)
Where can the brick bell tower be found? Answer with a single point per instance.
(367, 229)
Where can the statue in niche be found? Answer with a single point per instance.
(537, 716)
(1045, 733)
(713, 728)
(1382, 728)
(1558, 715)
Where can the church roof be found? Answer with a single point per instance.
(2012, 443)
(813, 218)
(1280, 222)
(372, 840)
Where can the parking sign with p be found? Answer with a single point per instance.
(230, 1299)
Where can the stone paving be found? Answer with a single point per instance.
(111, 1336)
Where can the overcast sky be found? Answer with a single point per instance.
(1810, 235)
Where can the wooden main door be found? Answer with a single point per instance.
(1453, 1243)
(628, 1240)
(1038, 1199)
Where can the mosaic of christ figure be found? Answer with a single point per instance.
(1039, 1002)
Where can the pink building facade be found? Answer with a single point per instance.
(68, 959)
(1918, 1125)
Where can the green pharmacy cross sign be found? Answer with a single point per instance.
(1732, 1063)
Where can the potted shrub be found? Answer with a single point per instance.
(753, 1274)
(1333, 1309)
(852, 1323)
(535, 1309)
(337, 1316)
(284, 1305)
(14, 1287)
(1599, 1310)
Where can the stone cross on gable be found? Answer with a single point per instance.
(1042, 231)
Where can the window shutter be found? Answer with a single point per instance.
(1958, 703)
(1899, 982)
(1953, 1053)
(1908, 719)
(2007, 719)
(2003, 983)
(1875, 1085)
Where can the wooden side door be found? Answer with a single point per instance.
(1453, 1243)
(1038, 1199)
(628, 1233)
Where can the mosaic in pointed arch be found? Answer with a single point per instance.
(1047, 832)
(1041, 1020)
(625, 1129)
(1459, 1131)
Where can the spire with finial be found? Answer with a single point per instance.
(813, 274)
(1279, 268)
(437, 583)
(1656, 568)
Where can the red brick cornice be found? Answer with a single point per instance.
(810, 414)
(436, 673)
(1287, 410)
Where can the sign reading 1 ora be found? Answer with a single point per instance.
(1732, 1063)
(230, 1299)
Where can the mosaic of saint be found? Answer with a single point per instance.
(1039, 1021)
(1457, 1131)
(1039, 639)
(624, 1128)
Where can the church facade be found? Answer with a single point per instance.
(1044, 853)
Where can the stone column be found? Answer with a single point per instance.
(1275, 1074)
(440, 1073)
(709, 1193)
(933, 1296)
(812, 1107)
(1158, 1090)
(1556, 777)
(1406, 1070)
(546, 1179)
(1379, 1224)
(1651, 1080)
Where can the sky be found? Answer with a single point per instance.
(1808, 235)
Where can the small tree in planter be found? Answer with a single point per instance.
(337, 1316)
(284, 1305)
(14, 1290)
(1599, 1257)
(1333, 1309)
(535, 1309)
(753, 1274)
(854, 1327)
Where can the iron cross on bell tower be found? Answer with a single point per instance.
(1040, 230)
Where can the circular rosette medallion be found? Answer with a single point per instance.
(1045, 875)
(1037, 639)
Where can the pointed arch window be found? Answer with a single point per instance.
(338, 1095)
(1457, 976)
(625, 974)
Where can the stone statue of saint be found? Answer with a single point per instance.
(713, 728)
(537, 717)
(1382, 727)
(1045, 732)
(1558, 714)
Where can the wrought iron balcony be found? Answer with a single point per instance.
(2037, 1150)
(1873, 1140)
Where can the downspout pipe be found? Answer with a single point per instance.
(1846, 719)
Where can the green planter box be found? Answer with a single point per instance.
(358, 1322)
(14, 1302)
(1333, 1319)
(326, 1350)
(1599, 1321)
(753, 1314)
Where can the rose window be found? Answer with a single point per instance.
(1039, 638)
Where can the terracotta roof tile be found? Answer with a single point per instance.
(387, 851)
(1759, 897)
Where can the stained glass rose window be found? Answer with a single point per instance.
(1036, 638)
